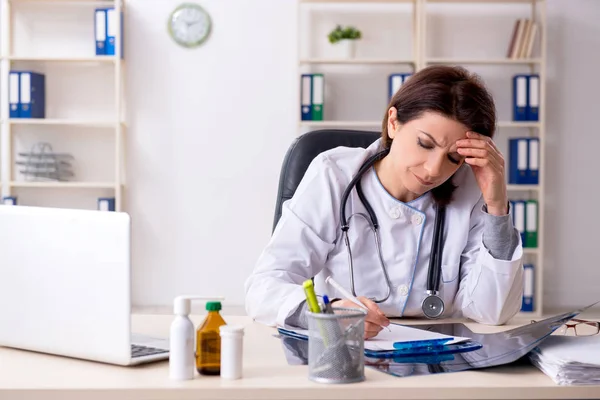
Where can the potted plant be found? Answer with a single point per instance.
(345, 37)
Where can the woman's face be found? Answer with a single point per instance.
(423, 152)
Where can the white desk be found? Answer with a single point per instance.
(267, 375)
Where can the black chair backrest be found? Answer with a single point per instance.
(305, 148)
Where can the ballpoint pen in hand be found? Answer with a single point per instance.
(347, 295)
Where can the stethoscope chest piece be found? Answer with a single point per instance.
(433, 306)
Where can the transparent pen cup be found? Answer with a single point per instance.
(336, 346)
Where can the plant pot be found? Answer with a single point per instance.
(347, 48)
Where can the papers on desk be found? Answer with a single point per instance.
(400, 336)
(569, 360)
(397, 337)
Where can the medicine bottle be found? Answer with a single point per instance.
(181, 346)
(208, 341)
(232, 349)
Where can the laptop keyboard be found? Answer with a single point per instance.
(140, 351)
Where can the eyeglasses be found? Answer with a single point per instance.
(578, 327)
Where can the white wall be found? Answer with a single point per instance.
(208, 129)
(573, 272)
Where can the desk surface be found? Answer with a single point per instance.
(267, 375)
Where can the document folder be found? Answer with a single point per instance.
(496, 349)
(410, 342)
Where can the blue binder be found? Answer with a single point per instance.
(533, 161)
(14, 95)
(100, 30)
(106, 204)
(395, 81)
(520, 97)
(32, 95)
(518, 209)
(112, 29)
(9, 201)
(306, 97)
(518, 160)
(528, 303)
(533, 95)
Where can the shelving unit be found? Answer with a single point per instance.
(70, 124)
(420, 56)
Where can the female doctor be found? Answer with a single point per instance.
(435, 160)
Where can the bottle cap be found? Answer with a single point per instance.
(231, 330)
(213, 306)
(182, 304)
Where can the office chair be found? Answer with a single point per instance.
(305, 148)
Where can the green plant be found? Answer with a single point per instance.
(340, 33)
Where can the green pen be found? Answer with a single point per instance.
(311, 297)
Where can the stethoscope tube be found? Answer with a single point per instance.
(433, 305)
(368, 164)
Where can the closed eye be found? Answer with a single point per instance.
(454, 157)
(424, 145)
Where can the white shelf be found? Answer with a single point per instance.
(63, 185)
(86, 2)
(411, 1)
(531, 250)
(523, 188)
(340, 123)
(357, 61)
(356, 1)
(37, 50)
(424, 55)
(501, 124)
(485, 1)
(63, 122)
(518, 124)
(92, 59)
(483, 61)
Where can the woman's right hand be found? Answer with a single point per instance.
(375, 320)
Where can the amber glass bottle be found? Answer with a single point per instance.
(208, 341)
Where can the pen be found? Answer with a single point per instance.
(311, 297)
(348, 295)
(345, 293)
(327, 305)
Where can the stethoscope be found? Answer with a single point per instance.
(432, 305)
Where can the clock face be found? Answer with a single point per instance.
(189, 25)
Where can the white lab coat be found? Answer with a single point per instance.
(307, 242)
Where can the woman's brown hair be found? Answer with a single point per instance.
(452, 92)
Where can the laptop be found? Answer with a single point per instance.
(65, 285)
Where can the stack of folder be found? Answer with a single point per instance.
(26, 94)
(105, 24)
(524, 161)
(569, 360)
(525, 216)
(526, 97)
(312, 90)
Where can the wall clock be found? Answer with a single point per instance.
(189, 25)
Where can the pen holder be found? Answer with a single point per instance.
(336, 346)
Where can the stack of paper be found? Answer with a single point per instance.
(396, 337)
(569, 360)
(400, 336)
